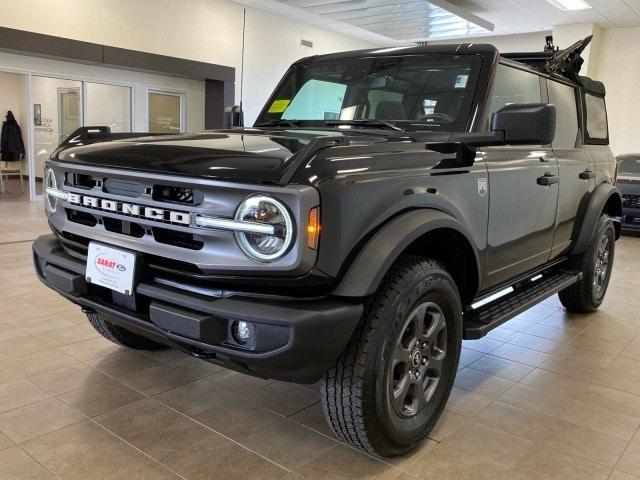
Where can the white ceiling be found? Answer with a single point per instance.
(399, 21)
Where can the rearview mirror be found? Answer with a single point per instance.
(525, 123)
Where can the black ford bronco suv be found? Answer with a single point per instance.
(386, 205)
(628, 182)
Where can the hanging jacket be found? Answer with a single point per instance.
(11, 136)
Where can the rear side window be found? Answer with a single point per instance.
(564, 99)
(511, 85)
(596, 117)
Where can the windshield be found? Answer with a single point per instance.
(413, 92)
(629, 166)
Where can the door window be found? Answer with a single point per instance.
(165, 113)
(564, 99)
(57, 106)
(108, 105)
(510, 86)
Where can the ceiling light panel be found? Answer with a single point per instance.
(408, 20)
(569, 5)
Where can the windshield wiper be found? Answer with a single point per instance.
(279, 123)
(364, 123)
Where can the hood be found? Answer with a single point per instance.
(249, 155)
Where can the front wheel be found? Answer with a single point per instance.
(390, 385)
(595, 264)
(120, 336)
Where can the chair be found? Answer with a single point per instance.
(5, 171)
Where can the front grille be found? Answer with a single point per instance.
(177, 239)
(80, 245)
(123, 227)
(123, 188)
(82, 218)
(631, 201)
(80, 180)
(187, 196)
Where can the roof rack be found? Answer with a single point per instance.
(552, 60)
(568, 62)
(565, 63)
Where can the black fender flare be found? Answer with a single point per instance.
(597, 202)
(369, 267)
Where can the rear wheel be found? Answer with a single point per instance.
(595, 263)
(121, 336)
(389, 387)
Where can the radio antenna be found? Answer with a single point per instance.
(244, 26)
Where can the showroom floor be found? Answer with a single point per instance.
(548, 395)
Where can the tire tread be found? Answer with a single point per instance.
(348, 406)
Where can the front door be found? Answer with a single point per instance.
(523, 186)
(523, 198)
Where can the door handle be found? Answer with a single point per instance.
(548, 179)
(587, 175)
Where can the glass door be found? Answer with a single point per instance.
(14, 151)
(57, 112)
(165, 112)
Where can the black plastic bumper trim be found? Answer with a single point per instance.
(318, 329)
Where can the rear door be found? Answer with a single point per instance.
(523, 187)
(577, 176)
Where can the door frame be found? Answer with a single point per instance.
(30, 132)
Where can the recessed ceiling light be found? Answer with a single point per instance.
(570, 4)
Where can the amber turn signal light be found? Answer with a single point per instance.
(313, 228)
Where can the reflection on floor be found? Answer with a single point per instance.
(12, 190)
(548, 395)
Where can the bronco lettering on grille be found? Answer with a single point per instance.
(130, 209)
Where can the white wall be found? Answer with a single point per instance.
(618, 66)
(203, 30)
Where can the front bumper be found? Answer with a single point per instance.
(630, 219)
(293, 340)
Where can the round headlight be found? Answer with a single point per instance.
(51, 202)
(260, 246)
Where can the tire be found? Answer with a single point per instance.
(370, 396)
(120, 336)
(595, 263)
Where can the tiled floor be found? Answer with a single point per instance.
(548, 395)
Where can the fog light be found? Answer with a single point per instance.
(241, 332)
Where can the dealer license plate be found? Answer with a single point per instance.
(110, 267)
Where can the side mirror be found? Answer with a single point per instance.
(525, 123)
(233, 117)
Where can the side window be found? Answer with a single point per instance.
(596, 117)
(511, 86)
(564, 99)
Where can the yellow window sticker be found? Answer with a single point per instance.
(279, 106)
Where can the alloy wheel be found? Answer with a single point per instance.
(417, 359)
(601, 268)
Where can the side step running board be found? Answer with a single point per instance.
(477, 323)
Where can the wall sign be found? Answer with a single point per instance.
(37, 114)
